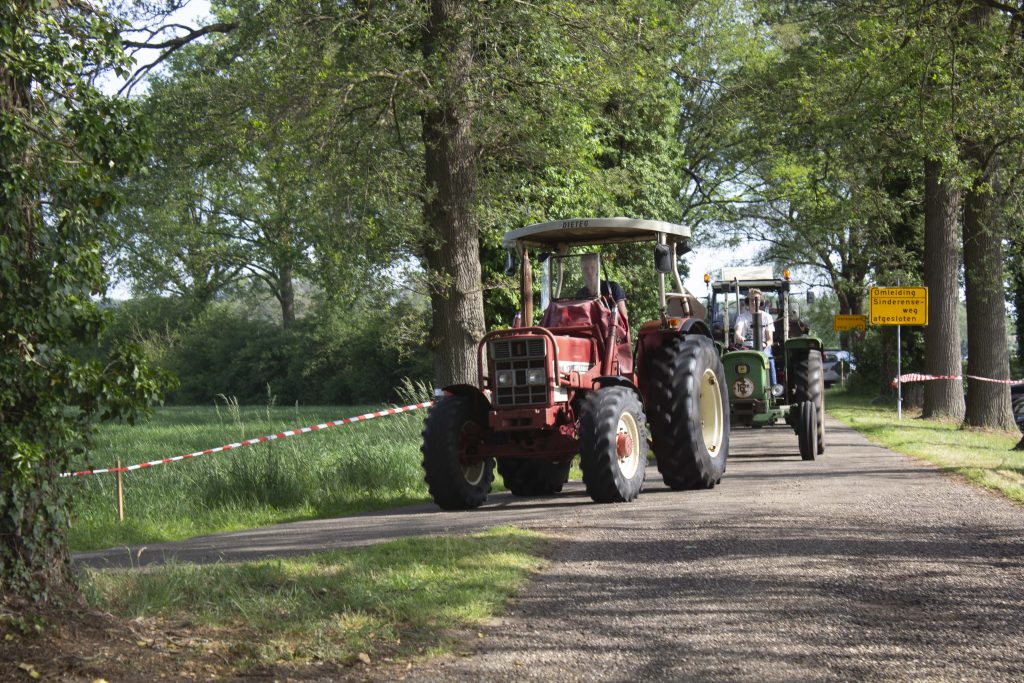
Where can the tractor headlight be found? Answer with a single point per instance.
(742, 369)
(506, 378)
(777, 390)
(536, 376)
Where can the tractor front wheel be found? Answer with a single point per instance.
(689, 413)
(808, 434)
(457, 476)
(809, 385)
(613, 445)
(525, 477)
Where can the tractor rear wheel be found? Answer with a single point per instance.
(808, 383)
(457, 477)
(526, 477)
(689, 413)
(1017, 403)
(808, 434)
(613, 444)
(821, 419)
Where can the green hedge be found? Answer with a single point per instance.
(332, 356)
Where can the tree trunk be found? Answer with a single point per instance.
(452, 246)
(942, 398)
(286, 295)
(34, 562)
(988, 403)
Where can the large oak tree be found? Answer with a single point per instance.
(63, 146)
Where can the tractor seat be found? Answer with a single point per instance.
(674, 307)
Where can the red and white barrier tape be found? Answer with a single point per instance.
(997, 381)
(251, 442)
(917, 377)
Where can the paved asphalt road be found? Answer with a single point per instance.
(861, 565)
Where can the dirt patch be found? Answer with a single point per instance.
(77, 643)
(82, 644)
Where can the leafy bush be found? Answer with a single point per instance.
(337, 354)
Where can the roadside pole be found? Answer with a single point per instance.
(120, 493)
(899, 372)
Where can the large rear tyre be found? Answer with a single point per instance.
(821, 420)
(689, 413)
(613, 445)
(808, 434)
(524, 477)
(458, 479)
(809, 385)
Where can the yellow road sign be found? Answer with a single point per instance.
(899, 305)
(842, 323)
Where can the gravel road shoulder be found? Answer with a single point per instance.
(862, 565)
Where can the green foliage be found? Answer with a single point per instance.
(319, 130)
(819, 317)
(833, 177)
(63, 147)
(342, 352)
(846, 105)
(249, 177)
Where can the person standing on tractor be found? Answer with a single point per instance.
(590, 265)
(745, 328)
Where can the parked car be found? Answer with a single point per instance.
(836, 365)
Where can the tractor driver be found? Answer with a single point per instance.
(589, 264)
(745, 328)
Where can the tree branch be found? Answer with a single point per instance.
(183, 40)
(169, 47)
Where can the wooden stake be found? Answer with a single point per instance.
(120, 494)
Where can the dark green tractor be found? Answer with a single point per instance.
(751, 343)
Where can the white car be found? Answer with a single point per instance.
(836, 366)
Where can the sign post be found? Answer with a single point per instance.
(899, 306)
(899, 374)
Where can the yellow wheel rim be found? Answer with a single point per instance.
(712, 418)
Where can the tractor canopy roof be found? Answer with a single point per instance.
(763, 285)
(556, 235)
(750, 276)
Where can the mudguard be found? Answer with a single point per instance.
(468, 390)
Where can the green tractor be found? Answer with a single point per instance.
(772, 365)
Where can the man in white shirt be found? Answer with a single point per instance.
(744, 332)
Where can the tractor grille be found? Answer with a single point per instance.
(517, 356)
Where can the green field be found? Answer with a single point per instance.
(981, 456)
(343, 470)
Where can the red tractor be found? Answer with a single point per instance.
(575, 383)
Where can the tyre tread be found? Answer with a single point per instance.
(527, 477)
(441, 433)
(599, 420)
(678, 441)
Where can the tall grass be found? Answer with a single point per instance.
(347, 469)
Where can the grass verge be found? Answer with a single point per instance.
(393, 600)
(981, 456)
